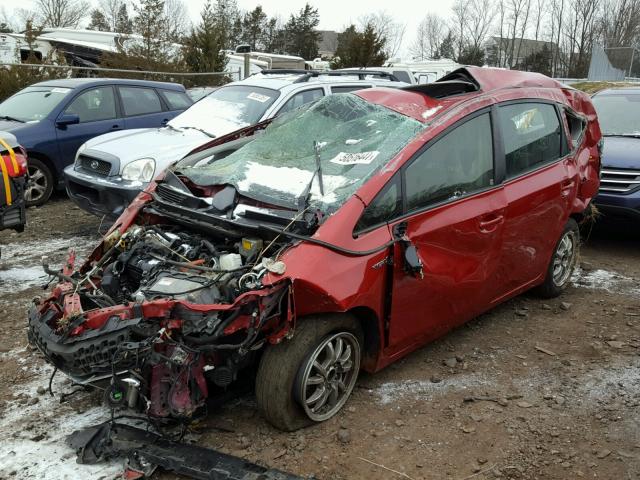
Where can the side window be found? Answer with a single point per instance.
(532, 136)
(459, 163)
(348, 88)
(402, 75)
(383, 208)
(139, 101)
(302, 98)
(176, 100)
(577, 127)
(93, 105)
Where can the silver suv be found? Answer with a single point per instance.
(110, 170)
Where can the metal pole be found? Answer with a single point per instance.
(118, 70)
(247, 65)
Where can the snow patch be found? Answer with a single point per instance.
(33, 436)
(426, 390)
(600, 279)
(290, 180)
(431, 112)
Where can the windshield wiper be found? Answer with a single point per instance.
(12, 119)
(210, 135)
(305, 196)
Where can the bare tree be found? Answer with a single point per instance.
(386, 26)
(178, 22)
(479, 21)
(460, 10)
(620, 23)
(61, 13)
(431, 31)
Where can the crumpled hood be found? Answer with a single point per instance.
(165, 145)
(621, 152)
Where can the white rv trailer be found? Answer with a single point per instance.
(425, 71)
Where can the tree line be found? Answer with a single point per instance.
(554, 37)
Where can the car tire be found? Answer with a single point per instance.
(39, 184)
(563, 262)
(287, 376)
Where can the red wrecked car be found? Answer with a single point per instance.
(340, 237)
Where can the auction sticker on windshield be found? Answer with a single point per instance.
(364, 158)
(258, 97)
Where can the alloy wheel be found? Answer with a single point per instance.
(36, 185)
(564, 258)
(329, 376)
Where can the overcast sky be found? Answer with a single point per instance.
(334, 14)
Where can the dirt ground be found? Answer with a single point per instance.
(531, 390)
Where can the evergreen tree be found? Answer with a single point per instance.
(471, 55)
(204, 46)
(360, 49)
(447, 47)
(301, 34)
(123, 22)
(273, 37)
(151, 24)
(253, 26)
(98, 21)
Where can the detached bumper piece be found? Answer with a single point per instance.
(146, 450)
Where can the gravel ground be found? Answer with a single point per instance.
(531, 390)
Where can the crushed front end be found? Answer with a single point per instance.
(161, 318)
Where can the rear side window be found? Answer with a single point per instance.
(93, 105)
(532, 136)
(302, 98)
(176, 100)
(139, 101)
(577, 127)
(457, 164)
(348, 88)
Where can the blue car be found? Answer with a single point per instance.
(619, 115)
(52, 119)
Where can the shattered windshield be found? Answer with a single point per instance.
(618, 114)
(227, 109)
(350, 137)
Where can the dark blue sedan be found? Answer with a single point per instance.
(619, 116)
(52, 119)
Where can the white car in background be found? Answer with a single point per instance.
(110, 170)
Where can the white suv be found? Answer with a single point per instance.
(110, 170)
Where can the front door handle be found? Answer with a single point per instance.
(165, 121)
(490, 222)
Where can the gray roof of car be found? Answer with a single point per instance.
(277, 81)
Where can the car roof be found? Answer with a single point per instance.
(94, 82)
(287, 79)
(423, 101)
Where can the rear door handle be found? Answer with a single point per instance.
(490, 222)
(115, 126)
(567, 187)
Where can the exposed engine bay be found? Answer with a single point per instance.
(164, 317)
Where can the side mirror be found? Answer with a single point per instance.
(67, 119)
(412, 263)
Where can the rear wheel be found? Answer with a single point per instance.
(39, 184)
(563, 262)
(310, 377)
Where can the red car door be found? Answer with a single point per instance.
(454, 217)
(539, 185)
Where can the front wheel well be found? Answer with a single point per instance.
(47, 161)
(370, 325)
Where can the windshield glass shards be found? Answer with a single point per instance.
(352, 138)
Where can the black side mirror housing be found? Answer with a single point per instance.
(67, 119)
